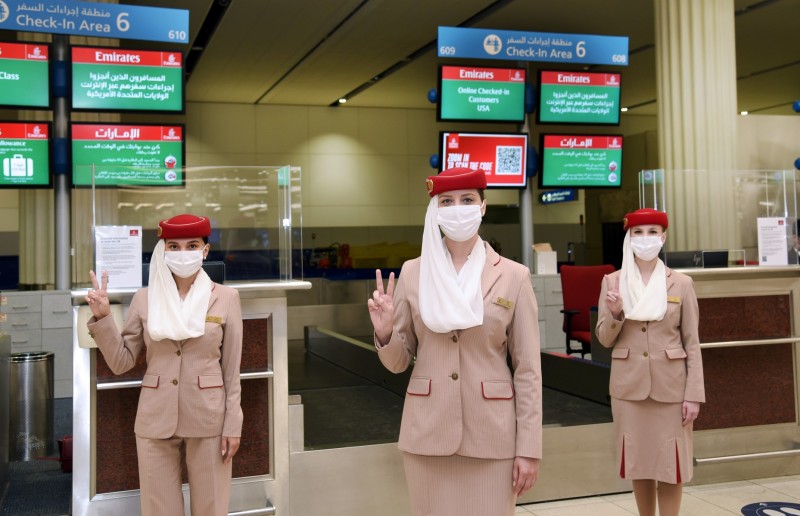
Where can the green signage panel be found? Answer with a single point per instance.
(127, 155)
(586, 161)
(24, 75)
(112, 79)
(25, 155)
(469, 93)
(579, 98)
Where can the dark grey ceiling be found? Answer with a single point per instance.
(381, 53)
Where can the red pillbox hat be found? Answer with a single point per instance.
(645, 216)
(184, 226)
(456, 179)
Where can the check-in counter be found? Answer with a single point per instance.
(750, 340)
(105, 473)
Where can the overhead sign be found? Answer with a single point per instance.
(502, 156)
(532, 46)
(470, 93)
(25, 154)
(95, 19)
(556, 196)
(578, 97)
(115, 79)
(586, 161)
(139, 155)
(24, 75)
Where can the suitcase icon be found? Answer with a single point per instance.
(17, 166)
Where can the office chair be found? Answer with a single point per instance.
(581, 289)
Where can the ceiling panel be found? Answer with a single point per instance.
(257, 43)
(374, 39)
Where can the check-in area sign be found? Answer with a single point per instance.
(95, 19)
(532, 46)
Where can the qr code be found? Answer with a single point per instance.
(509, 160)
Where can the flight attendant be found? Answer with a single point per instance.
(648, 314)
(191, 331)
(471, 432)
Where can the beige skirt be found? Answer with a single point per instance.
(652, 442)
(459, 486)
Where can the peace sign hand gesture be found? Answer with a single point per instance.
(381, 308)
(613, 297)
(98, 296)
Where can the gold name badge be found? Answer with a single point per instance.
(673, 299)
(214, 319)
(505, 303)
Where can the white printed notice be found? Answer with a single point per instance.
(119, 252)
(772, 248)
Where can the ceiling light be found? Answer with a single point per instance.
(342, 100)
(744, 113)
(623, 109)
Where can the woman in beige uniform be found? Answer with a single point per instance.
(471, 431)
(648, 314)
(191, 331)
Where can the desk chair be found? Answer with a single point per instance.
(581, 289)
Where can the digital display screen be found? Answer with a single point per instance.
(128, 155)
(585, 161)
(24, 75)
(476, 94)
(578, 98)
(113, 79)
(25, 154)
(502, 156)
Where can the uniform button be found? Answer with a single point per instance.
(454, 376)
(644, 329)
(175, 382)
(455, 338)
(613, 326)
(178, 352)
(645, 354)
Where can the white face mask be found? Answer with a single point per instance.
(646, 247)
(461, 222)
(183, 263)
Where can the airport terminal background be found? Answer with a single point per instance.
(363, 166)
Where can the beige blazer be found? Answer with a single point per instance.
(462, 397)
(656, 359)
(191, 387)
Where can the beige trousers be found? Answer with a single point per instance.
(160, 476)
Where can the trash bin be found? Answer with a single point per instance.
(31, 389)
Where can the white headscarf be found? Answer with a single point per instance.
(448, 300)
(169, 317)
(639, 301)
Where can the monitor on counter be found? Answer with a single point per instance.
(128, 155)
(578, 98)
(25, 154)
(502, 156)
(115, 79)
(580, 161)
(479, 94)
(24, 75)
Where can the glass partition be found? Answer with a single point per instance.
(737, 218)
(255, 213)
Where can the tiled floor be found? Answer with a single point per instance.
(705, 500)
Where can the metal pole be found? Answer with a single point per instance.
(526, 208)
(62, 201)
